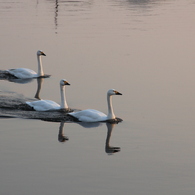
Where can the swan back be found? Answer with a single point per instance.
(89, 115)
(44, 105)
(23, 73)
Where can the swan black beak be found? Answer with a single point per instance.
(118, 93)
(43, 54)
(67, 83)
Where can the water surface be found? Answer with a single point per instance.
(145, 50)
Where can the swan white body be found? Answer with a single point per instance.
(25, 73)
(91, 115)
(46, 105)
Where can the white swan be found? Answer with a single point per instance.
(91, 115)
(46, 105)
(25, 73)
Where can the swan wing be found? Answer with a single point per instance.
(89, 115)
(44, 105)
(23, 73)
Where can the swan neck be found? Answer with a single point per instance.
(111, 114)
(64, 104)
(40, 67)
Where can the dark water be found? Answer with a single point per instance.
(145, 50)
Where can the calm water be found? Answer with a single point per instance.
(145, 50)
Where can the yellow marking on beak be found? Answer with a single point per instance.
(66, 83)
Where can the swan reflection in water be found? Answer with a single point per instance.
(39, 85)
(110, 149)
(61, 137)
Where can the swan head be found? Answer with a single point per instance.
(40, 53)
(113, 92)
(64, 82)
